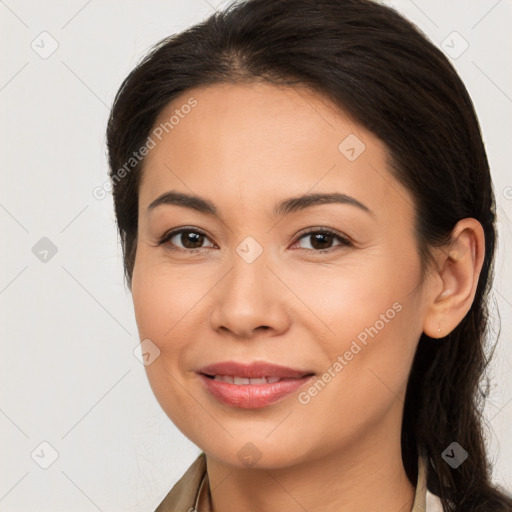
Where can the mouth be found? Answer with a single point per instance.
(251, 386)
(243, 381)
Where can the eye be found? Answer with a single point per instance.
(320, 240)
(191, 239)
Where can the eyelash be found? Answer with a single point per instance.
(345, 242)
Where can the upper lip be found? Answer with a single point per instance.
(253, 370)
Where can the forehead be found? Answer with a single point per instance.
(256, 116)
(253, 144)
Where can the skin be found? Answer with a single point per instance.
(246, 148)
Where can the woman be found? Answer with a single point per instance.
(308, 228)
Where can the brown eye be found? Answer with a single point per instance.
(190, 240)
(185, 239)
(322, 240)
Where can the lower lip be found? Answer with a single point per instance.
(252, 396)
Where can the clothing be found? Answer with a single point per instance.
(191, 492)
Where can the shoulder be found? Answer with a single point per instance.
(182, 496)
(433, 503)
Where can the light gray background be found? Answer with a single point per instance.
(69, 376)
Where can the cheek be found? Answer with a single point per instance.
(366, 371)
(343, 301)
(373, 314)
(162, 300)
(163, 304)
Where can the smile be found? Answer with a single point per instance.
(241, 381)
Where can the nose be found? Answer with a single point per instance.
(250, 300)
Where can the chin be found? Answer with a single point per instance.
(244, 453)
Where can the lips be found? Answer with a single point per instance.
(244, 380)
(251, 386)
(256, 370)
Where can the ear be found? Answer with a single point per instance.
(458, 269)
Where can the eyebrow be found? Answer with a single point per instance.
(290, 205)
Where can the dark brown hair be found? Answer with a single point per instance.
(379, 68)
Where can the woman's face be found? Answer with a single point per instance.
(249, 283)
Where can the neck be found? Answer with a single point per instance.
(367, 475)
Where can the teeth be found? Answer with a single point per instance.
(245, 380)
(262, 380)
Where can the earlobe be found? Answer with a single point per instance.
(459, 266)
